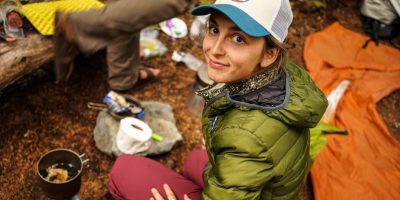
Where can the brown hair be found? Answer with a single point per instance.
(271, 43)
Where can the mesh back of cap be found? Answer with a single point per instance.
(282, 21)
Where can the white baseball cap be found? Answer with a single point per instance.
(256, 18)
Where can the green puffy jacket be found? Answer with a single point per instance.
(258, 142)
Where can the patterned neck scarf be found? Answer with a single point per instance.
(241, 87)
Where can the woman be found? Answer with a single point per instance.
(256, 126)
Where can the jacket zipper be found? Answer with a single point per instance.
(213, 124)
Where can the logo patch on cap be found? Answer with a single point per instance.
(240, 1)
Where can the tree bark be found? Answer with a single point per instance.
(22, 57)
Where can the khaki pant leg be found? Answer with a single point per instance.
(123, 61)
(116, 27)
(94, 29)
(89, 32)
(123, 48)
(133, 15)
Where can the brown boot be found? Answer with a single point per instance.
(65, 51)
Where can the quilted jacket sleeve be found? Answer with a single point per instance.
(241, 166)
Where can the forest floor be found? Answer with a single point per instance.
(37, 115)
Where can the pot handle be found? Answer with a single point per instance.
(85, 162)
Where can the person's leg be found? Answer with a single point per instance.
(65, 50)
(95, 29)
(88, 30)
(132, 177)
(123, 62)
(72, 36)
(194, 166)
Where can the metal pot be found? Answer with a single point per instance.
(63, 190)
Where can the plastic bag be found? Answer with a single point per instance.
(198, 28)
(149, 33)
(333, 100)
(152, 47)
(8, 6)
(5, 8)
(190, 60)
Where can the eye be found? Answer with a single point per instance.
(212, 29)
(238, 39)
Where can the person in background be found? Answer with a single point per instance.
(256, 125)
(116, 28)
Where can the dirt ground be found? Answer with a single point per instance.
(37, 115)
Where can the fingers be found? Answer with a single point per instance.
(168, 191)
(186, 197)
(156, 194)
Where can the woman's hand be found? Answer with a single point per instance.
(168, 191)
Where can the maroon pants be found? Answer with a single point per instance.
(132, 177)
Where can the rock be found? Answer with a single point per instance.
(105, 133)
(158, 116)
(158, 110)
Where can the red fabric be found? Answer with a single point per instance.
(132, 177)
(194, 165)
(366, 163)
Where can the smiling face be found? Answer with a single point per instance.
(231, 54)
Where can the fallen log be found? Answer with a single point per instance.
(23, 57)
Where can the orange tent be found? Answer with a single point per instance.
(365, 164)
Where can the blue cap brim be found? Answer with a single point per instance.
(242, 20)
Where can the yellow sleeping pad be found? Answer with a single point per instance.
(42, 14)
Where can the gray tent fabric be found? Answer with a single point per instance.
(385, 11)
